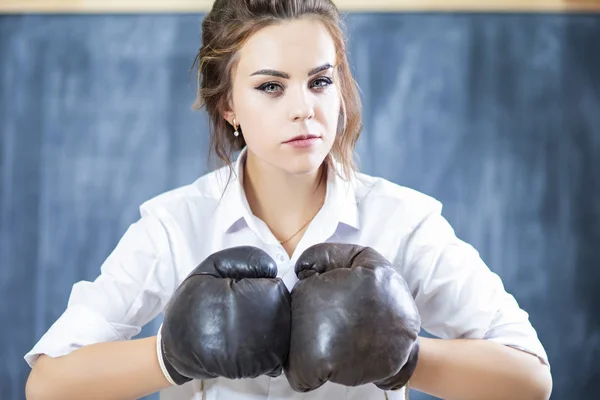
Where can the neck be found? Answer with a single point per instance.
(285, 202)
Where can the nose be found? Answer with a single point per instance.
(301, 107)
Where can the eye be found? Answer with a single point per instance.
(323, 82)
(269, 87)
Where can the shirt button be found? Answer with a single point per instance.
(280, 257)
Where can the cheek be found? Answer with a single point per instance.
(330, 105)
(255, 114)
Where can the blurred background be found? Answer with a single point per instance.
(494, 111)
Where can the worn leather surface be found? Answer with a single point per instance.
(230, 317)
(354, 320)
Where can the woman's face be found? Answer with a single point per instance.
(283, 88)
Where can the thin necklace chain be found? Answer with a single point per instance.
(303, 226)
(307, 222)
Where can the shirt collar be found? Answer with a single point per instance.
(340, 202)
(234, 204)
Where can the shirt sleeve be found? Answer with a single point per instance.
(134, 284)
(456, 293)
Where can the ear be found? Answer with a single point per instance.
(227, 111)
(229, 116)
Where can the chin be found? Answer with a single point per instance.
(303, 165)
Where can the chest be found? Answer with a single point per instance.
(291, 246)
(189, 247)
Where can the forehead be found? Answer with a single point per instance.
(291, 46)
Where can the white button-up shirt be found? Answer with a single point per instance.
(455, 292)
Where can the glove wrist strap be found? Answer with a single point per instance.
(174, 377)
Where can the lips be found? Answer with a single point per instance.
(302, 137)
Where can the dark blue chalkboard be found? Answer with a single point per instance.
(498, 116)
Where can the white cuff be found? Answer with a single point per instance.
(161, 362)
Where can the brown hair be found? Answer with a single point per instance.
(226, 28)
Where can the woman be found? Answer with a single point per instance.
(274, 78)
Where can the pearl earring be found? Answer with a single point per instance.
(235, 133)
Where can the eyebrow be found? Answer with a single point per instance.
(284, 75)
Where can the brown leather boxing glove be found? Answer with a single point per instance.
(354, 320)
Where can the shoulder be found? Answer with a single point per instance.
(199, 196)
(379, 195)
(390, 214)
